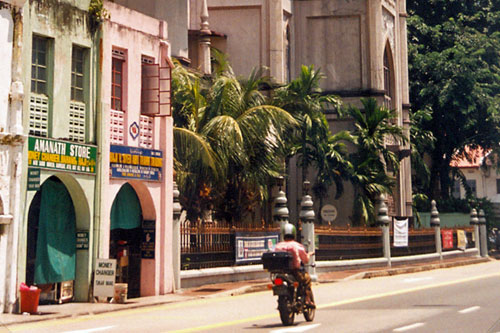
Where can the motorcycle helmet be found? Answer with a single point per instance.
(289, 231)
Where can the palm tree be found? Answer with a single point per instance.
(314, 143)
(231, 128)
(372, 159)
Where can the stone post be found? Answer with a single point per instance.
(280, 210)
(176, 246)
(482, 234)
(436, 224)
(383, 222)
(307, 218)
(474, 221)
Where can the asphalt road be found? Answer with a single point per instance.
(461, 299)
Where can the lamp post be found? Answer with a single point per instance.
(307, 235)
(482, 233)
(474, 221)
(383, 222)
(280, 210)
(436, 223)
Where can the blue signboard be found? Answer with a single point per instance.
(135, 163)
(250, 246)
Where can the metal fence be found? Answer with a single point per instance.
(205, 245)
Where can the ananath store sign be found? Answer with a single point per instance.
(135, 163)
(61, 155)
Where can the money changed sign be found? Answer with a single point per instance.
(61, 155)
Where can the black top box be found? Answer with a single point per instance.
(277, 261)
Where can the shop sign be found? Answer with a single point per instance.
(250, 246)
(135, 163)
(447, 235)
(82, 240)
(33, 179)
(104, 277)
(61, 155)
(148, 239)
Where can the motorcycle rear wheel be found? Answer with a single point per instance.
(309, 313)
(287, 315)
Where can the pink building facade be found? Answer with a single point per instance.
(136, 176)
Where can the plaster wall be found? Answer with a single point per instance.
(6, 34)
(174, 12)
(66, 25)
(486, 183)
(255, 32)
(138, 35)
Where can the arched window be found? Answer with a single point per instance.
(388, 79)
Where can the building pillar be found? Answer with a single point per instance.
(204, 46)
(307, 218)
(383, 222)
(436, 223)
(176, 238)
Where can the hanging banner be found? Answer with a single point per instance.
(447, 237)
(461, 240)
(61, 155)
(401, 233)
(135, 163)
(250, 246)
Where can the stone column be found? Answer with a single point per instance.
(474, 222)
(383, 222)
(307, 217)
(436, 224)
(176, 243)
(482, 234)
(280, 210)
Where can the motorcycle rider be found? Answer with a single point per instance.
(299, 255)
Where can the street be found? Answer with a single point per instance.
(461, 299)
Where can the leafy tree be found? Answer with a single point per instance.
(454, 53)
(370, 162)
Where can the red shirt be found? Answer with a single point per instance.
(296, 249)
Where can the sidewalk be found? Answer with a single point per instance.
(58, 311)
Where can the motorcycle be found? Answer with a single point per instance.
(291, 294)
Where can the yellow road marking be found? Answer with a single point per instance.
(58, 322)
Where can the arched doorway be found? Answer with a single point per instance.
(51, 239)
(125, 238)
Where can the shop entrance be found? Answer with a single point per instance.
(51, 242)
(125, 239)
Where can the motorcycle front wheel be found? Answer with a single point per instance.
(287, 314)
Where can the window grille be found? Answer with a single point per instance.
(39, 115)
(117, 121)
(77, 121)
(146, 132)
